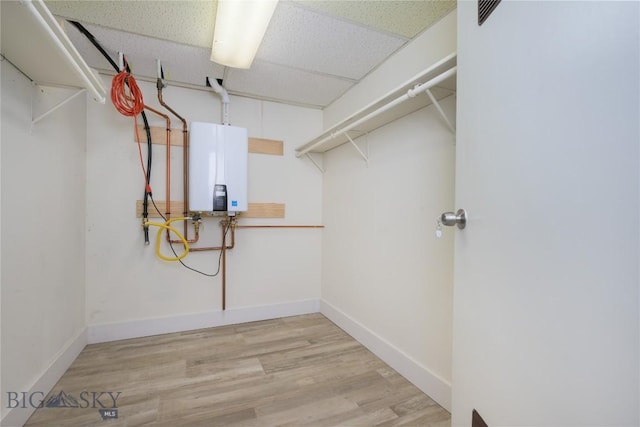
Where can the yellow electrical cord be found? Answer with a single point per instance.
(166, 226)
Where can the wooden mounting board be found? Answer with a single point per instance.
(256, 210)
(256, 145)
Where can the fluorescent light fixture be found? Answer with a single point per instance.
(240, 27)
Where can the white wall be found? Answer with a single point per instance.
(546, 273)
(382, 265)
(1, 389)
(386, 279)
(43, 223)
(125, 280)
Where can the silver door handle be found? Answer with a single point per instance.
(450, 219)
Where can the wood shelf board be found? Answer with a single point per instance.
(256, 145)
(256, 210)
(176, 208)
(37, 45)
(266, 146)
(264, 210)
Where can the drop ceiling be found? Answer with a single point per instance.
(312, 52)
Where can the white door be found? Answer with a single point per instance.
(546, 293)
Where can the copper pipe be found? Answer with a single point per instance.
(217, 248)
(185, 180)
(226, 225)
(224, 270)
(233, 235)
(232, 223)
(185, 167)
(279, 226)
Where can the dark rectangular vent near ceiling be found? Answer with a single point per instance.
(485, 7)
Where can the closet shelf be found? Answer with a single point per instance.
(36, 44)
(433, 84)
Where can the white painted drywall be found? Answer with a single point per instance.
(43, 227)
(382, 264)
(546, 273)
(429, 47)
(1, 388)
(125, 280)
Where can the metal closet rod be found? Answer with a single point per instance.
(407, 83)
(411, 93)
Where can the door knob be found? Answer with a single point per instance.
(450, 219)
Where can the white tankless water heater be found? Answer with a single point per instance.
(217, 168)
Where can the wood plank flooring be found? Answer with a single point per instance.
(296, 371)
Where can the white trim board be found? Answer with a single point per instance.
(49, 377)
(165, 325)
(431, 384)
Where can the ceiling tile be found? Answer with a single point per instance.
(406, 18)
(181, 63)
(304, 39)
(289, 85)
(313, 51)
(188, 22)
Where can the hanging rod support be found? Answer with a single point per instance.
(364, 156)
(440, 110)
(411, 93)
(58, 105)
(310, 157)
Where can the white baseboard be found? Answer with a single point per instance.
(430, 383)
(187, 322)
(20, 414)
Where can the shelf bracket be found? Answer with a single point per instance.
(316, 164)
(440, 110)
(364, 156)
(55, 107)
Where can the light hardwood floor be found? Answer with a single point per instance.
(296, 371)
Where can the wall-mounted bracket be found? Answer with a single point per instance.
(364, 156)
(35, 120)
(440, 110)
(316, 164)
